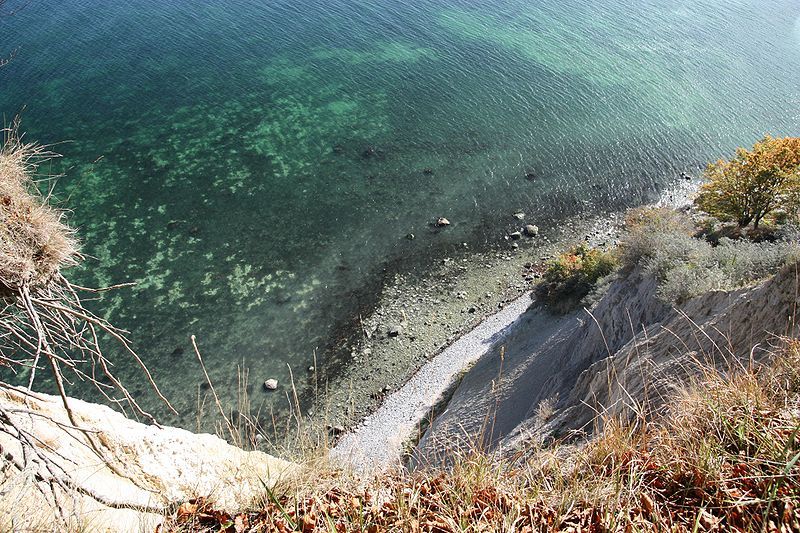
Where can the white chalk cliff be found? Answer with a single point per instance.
(124, 479)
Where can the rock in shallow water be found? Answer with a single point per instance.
(531, 230)
(271, 384)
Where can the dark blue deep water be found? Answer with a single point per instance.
(255, 165)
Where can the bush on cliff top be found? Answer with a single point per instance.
(35, 242)
(662, 242)
(43, 323)
(571, 275)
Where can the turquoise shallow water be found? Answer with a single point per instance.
(255, 166)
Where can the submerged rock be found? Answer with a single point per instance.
(519, 215)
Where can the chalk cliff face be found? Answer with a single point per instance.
(557, 374)
(125, 478)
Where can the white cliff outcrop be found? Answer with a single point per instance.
(124, 479)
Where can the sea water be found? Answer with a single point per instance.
(256, 166)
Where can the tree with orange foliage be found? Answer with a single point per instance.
(754, 183)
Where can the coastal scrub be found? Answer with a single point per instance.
(571, 275)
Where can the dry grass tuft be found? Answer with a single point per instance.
(35, 242)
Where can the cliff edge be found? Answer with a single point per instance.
(112, 473)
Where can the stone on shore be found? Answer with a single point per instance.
(531, 230)
(395, 330)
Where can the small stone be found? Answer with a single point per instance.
(514, 245)
(410, 236)
(531, 230)
(395, 330)
(311, 369)
(515, 235)
(427, 171)
(271, 384)
(471, 310)
(336, 430)
(442, 222)
(519, 216)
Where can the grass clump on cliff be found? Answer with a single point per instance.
(35, 242)
(724, 457)
(571, 276)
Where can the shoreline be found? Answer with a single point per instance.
(402, 412)
(375, 421)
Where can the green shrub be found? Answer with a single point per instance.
(662, 244)
(570, 276)
(650, 229)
